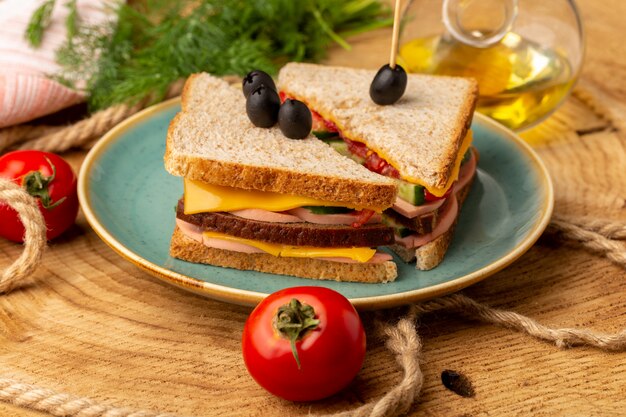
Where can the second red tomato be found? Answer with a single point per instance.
(51, 180)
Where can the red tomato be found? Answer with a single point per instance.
(357, 148)
(373, 161)
(362, 217)
(330, 352)
(49, 178)
(431, 197)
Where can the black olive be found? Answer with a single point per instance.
(254, 79)
(388, 85)
(262, 106)
(294, 119)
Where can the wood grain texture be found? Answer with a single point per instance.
(91, 324)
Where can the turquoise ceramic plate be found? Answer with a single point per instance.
(129, 199)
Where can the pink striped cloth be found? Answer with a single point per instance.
(26, 92)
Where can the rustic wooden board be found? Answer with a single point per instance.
(94, 325)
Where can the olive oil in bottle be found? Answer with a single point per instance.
(520, 82)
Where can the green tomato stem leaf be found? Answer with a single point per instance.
(293, 321)
(37, 186)
(39, 22)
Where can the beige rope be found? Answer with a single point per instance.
(60, 139)
(10, 136)
(596, 235)
(56, 404)
(404, 342)
(562, 338)
(607, 228)
(34, 238)
(83, 131)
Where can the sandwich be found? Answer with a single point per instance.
(257, 200)
(422, 142)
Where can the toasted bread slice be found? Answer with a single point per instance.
(420, 135)
(430, 255)
(187, 249)
(213, 140)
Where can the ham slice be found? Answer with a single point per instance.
(409, 210)
(212, 242)
(447, 220)
(378, 258)
(344, 218)
(266, 216)
(190, 230)
(300, 215)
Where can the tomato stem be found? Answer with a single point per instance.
(37, 186)
(293, 321)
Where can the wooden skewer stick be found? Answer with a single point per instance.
(394, 38)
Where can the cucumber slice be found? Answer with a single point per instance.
(325, 135)
(327, 210)
(342, 147)
(402, 231)
(398, 229)
(412, 193)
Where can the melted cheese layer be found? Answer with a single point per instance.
(276, 249)
(202, 197)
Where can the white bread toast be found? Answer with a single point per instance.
(187, 249)
(431, 119)
(213, 140)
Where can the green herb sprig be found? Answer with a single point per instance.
(156, 42)
(39, 21)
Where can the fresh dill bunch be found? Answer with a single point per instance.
(156, 42)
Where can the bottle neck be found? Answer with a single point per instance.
(479, 23)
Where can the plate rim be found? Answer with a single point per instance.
(251, 298)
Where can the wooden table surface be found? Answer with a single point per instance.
(93, 325)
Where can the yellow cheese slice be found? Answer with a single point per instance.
(286, 251)
(201, 197)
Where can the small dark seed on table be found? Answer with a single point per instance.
(457, 383)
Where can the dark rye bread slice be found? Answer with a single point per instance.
(212, 140)
(184, 248)
(420, 135)
(294, 234)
